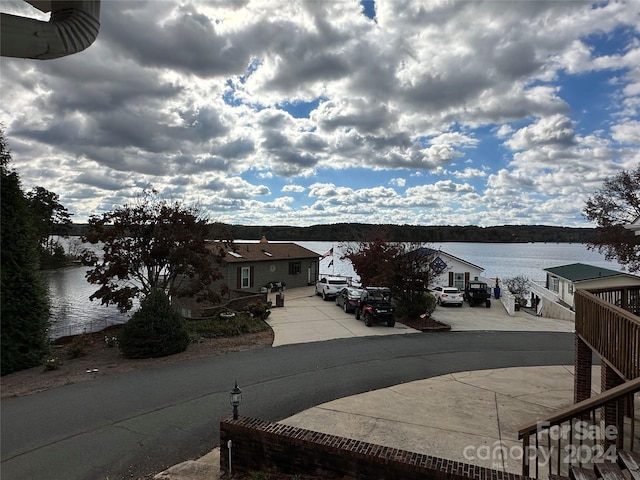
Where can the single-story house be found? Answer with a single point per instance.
(450, 271)
(566, 279)
(250, 267)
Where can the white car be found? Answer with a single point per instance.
(448, 295)
(329, 287)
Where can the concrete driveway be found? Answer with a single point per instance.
(305, 317)
(480, 318)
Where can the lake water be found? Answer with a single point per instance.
(72, 312)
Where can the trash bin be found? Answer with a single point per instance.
(279, 299)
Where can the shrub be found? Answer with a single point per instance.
(78, 347)
(259, 310)
(155, 330)
(52, 363)
(416, 305)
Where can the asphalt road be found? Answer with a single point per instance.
(129, 425)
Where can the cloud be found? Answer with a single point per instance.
(199, 99)
(293, 188)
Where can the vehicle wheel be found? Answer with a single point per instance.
(471, 304)
(345, 308)
(367, 320)
(488, 304)
(324, 296)
(357, 314)
(439, 302)
(391, 322)
(460, 304)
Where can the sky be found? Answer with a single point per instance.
(318, 112)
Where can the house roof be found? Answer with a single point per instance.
(580, 272)
(634, 226)
(430, 251)
(267, 252)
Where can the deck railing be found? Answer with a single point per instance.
(607, 321)
(576, 436)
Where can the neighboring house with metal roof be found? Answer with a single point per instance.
(249, 267)
(566, 279)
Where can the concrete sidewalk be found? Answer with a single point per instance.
(465, 416)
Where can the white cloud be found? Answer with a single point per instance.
(190, 97)
(293, 188)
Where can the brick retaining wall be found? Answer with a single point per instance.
(260, 446)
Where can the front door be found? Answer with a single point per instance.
(313, 273)
(458, 280)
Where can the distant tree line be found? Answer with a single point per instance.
(362, 232)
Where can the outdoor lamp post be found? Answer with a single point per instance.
(235, 398)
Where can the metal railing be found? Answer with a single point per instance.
(55, 331)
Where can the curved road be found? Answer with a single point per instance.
(129, 425)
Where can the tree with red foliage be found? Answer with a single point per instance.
(404, 267)
(373, 261)
(152, 245)
(614, 206)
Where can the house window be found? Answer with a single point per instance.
(554, 284)
(570, 288)
(295, 268)
(245, 277)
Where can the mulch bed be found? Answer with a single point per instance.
(425, 324)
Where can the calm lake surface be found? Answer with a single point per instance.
(72, 312)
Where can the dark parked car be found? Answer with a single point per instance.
(375, 306)
(348, 298)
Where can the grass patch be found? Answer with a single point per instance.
(216, 327)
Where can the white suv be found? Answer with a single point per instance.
(329, 287)
(446, 295)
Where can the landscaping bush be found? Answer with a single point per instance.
(78, 347)
(156, 330)
(416, 305)
(259, 309)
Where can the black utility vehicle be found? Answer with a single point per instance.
(476, 292)
(375, 306)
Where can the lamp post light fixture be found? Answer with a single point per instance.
(235, 398)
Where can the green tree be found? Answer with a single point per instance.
(24, 309)
(614, 206)
(51, 218)
(152, 245)
(156, 330)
